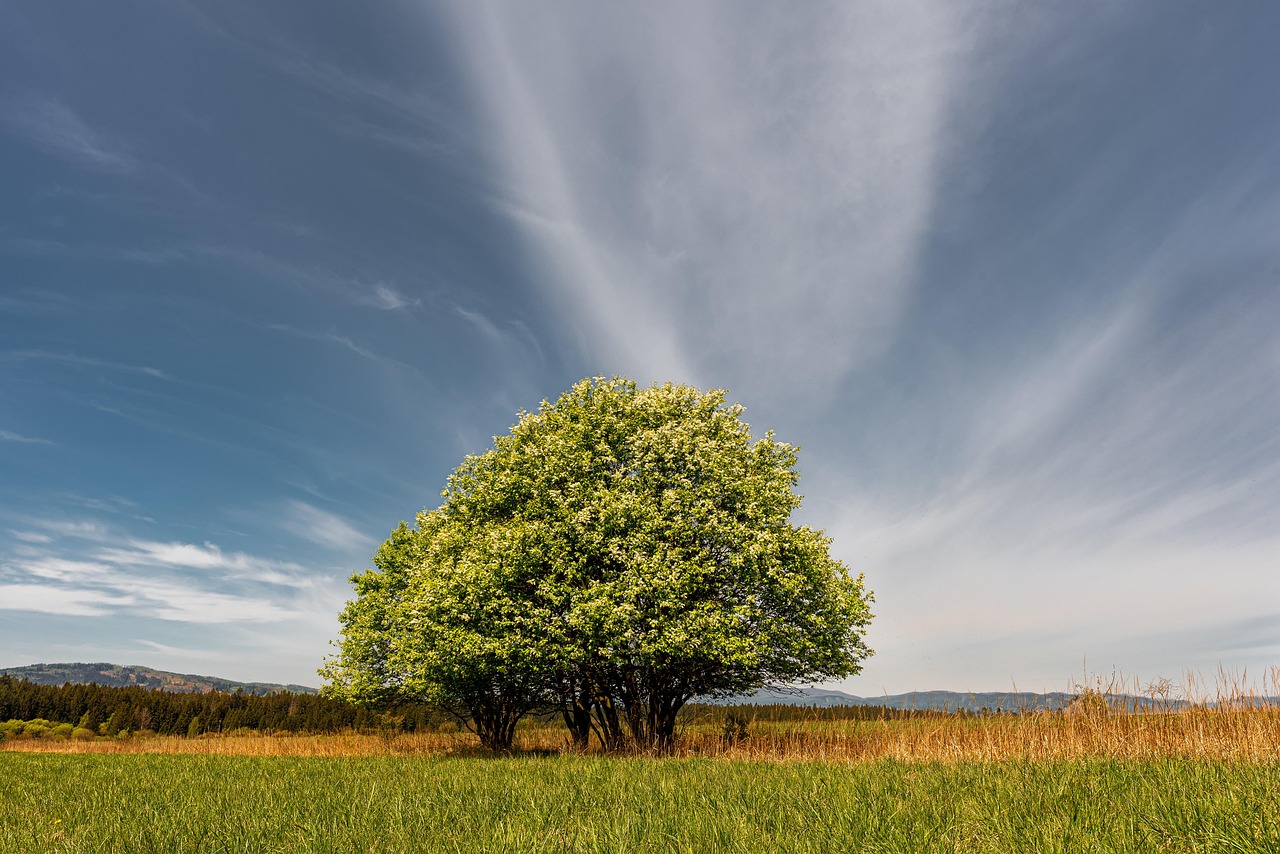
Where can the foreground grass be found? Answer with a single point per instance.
(124, 802)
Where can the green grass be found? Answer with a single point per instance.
(67, 802)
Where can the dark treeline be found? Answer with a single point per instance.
(105, 710)
(108, 711)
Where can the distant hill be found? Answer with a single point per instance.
(120, 676)
(116, 675)
(939, 701)
(943, 701)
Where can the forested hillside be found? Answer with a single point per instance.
(104, 710)
(122, 676)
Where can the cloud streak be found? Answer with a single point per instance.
(1114, 482)
(51, 126)
(81, 361)
(88, 569)
(388, 298)
(309, 522)
(10, 436)
(740, 211)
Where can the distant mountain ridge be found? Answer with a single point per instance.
(989, 701)
(954, 701)
(935, 701)
(116, 675)
(123, 676)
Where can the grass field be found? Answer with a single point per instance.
(1218, 734)
(157, 802)
(1195, 779)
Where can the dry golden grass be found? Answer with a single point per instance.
(1234, 724)
(254, 744)
(1249, 735)
(1235, 721)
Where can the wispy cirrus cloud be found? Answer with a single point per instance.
(206, 557)
(307, 521)
(740, 210)
(413, 105)
(53, 127)
(31, 536)
(347, 343)
(47, 599)
(1114, 485)
(10, 436)
(409, 118)
(425, 145)
(388, 298)
(34, 303)
(74, 359)
(279, 269)
(91, 569)
(272, 266)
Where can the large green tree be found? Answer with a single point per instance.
(619, 552)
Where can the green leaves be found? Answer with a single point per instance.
(633, 541)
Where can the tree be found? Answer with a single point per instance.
(434, 623)
(365, 672)
(619, 552)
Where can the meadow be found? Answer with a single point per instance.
(1178, 782)
(1198, 778)
(163, 802)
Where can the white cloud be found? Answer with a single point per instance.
(421, 144)
(9, 436)
(180, 653)
(349, 344)
(356, 88)
(81, 529)
(381, 296)
(88, 569)
(53, 127)
(141, 553)
(67, 358)
(63, 569)
(274, 268)
(388, 298)
(485, 326)
(57, 600)
(1116, 489)
(183, 603)
(736, 197)
(31, 537)
(310, 523)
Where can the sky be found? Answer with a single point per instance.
(1007, 273)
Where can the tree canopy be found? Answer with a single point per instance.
(619, 552)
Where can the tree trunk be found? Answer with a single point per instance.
(665, 723)
(577, 717)
(640, 734)
(496, 726)
(610, 725)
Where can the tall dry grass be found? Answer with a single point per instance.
(1234, 721)
(257, 744)
(1249, 735)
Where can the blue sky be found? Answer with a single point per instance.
(1009, 274)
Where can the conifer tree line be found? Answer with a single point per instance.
(105, 710)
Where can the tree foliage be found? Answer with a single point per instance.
(617, 553)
